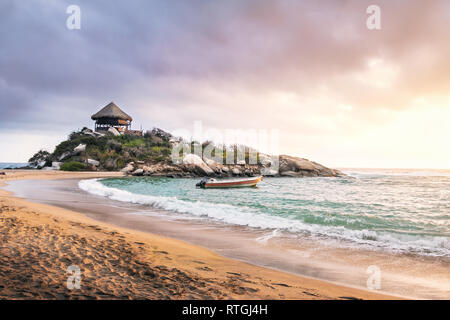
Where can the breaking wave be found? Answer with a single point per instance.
(254, 218)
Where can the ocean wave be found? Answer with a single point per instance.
(244, 216)
(399, 172)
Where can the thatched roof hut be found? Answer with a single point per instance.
(111, 116)
(111, 111)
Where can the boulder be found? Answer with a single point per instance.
(175, 141)
(299, 167)
(249, 172)
(290, 174)
(128, 168)
(147, 169)
(88, 132)
(157, 132)
(65, 155)
(268, 172)
(113, 131)
(138, 172)
(213, 165)
(236, 171)
(288, 163)
(198, 164)
(93, 162)
(41, 164)
(56, 165)
(80, 148)
(111, 164)
(265, 160)
(225, 169)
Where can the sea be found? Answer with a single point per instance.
(395, 210)
(12, 165)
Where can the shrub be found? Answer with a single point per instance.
(38, 157)
(73, 166)
(134, 143)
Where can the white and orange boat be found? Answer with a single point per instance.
(234, 183)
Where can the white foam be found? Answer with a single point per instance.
(436, 246)
(266, 237)
(374, 173)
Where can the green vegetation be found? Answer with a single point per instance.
(73, 166)
(113, 152)
(39, 157)
(210, 150)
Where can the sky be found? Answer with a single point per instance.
(334, 91)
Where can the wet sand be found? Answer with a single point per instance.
(117, 260)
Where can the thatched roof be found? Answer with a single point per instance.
(111, 111)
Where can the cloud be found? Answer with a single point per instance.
(285, 64)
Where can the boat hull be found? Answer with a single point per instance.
(233, 184)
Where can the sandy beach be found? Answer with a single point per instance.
(39, 242)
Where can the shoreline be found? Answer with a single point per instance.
(97, 245)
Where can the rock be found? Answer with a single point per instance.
(192, 159)
(88, 132)
(241, 162)
(199, 165)
(56, 165)
(249, 173)
(64, 155)
(290, 174)
(265, 159)
(41, 164)
(225, 169)
(113, 131)
(175, 140)
(236, 171)
(268, 172)
(288, 163)
(147, 169)
(138, 172)
(80, 148)
(128, 168)
(98, 134)
(93, 162)
(111, 164)
(299, 167)
(157, 132)
(213, 165)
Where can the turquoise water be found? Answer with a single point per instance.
(407, 212)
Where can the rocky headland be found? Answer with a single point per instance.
(151, 155)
